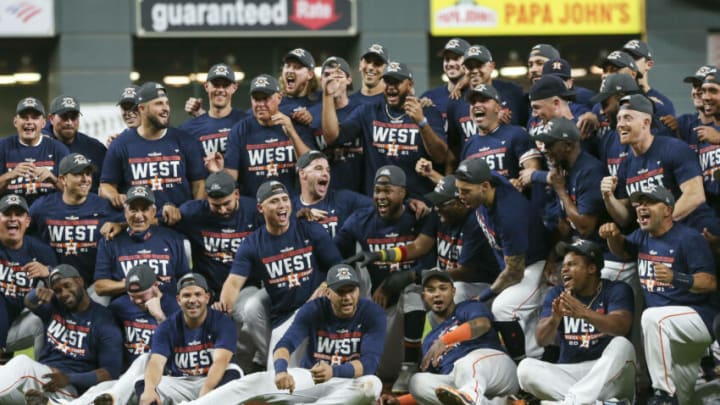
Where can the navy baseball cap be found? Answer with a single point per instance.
(341, 275)
(301, 55)
(474, 171)
(478, 53)
(395, 176)
(336, 61)
(544, 50)
(139, 193)
(30, 103)
(74, 163)
(550, 86)
(444, 191)
(140, 278)
(150, 91)
(638, 49)
(305, 160)
(191, 279)
(221, 71)
(700, 74)
(558, 129)
(220, 184)
(397, 70)
(616, 83)
(264, 84)
(13, 200)
(269, 189)
(557, 67)
(377, 50)
(654, 193)
(435, 272)
(620, 59)
(486, 91)
(457, 46)
(129, 95)
(583, 247)
(62, 271)
(637, 102)
(63, 104)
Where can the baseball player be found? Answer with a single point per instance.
(371, 66)
(128, 109)
(463, 360)
(397, 131)
(299, 85)
(23, 261)
(28, 160)
(452, 56)
(539, 54)
(515, 232)
(165, 159)
(591, 317)
(266, 146)
(677, 273)
(65, 120)
(81, 344)
(346, 159)
(549, 98)
(329, 207)
(195, 346)
(583, 96)
(345, 336)
(289, 256)
(139, 313)
(211, 128)
(71, 222)
(159, 247)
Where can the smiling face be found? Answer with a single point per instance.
(138, 215)
(653, 216)
(155, 113)
(438, 295)
(396, 91)
(344, 301)
(485, 112)
(65, 126)
(220, 92)
(315, 178)
(29, 124)
(13, 224)
(545, 109)
(276, 210)
(577, 272)
(265, 106)
(478, 72)
(193, 301)
(296, 78)
(130, 114)
(632, 126)
(473, 195)
(388, 200)
(70, 292)
(535, 67)
(453, 66)
(711, 99)
(141, 298)
(77, 186)
(371, 69)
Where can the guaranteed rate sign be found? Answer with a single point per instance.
(223, 18)
(536, 17)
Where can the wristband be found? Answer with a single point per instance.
(457, 335)
(83, 380)
(539, 176)
(683, 280)
(280, 365)
(486, 295)
(343, 371)
(423, 123)
(33, 298)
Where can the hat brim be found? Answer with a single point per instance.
(437, 199)
(692, 80)
(600, 97)
(396, 76)
(563, 248)
(130, 200)
(30, 109)
(80, 168)
(7, 207)
(266, 91)
(638, 195)
(382, 57)
(428, 275)
(342, 283)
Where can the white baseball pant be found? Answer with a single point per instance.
(173, 390)
(22, 374)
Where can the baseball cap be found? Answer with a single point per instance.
(585, 248)
(149, 91)
(620, 59)
(305, 160)
(13, 200)
(62, 104)
(558, 67)
(550, 86)
(483, 90)
(558, 129)
(191, 279)
(30, 103)
(474, 171)
(457, 46)
(341, 275)
(221, 71)
(712, 78)
(655, 193)
(140, 278)
(637, 102)
(615, 83)
(63, 271)
(264, 84)
(139, 193)
(397, 70)
(445, 190)
(395, 176)
(545, 50)
(478, 53)
(638, 49)
(301, 55)
(220, 184)
(269, 189)
(129, 95)
(74, 163)
(700, 74)
(378, 50)
(336, 61)
(435, 272)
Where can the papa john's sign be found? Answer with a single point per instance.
(536, 17)
(238, 18)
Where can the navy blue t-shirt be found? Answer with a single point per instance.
(93, 150)
(339, 204)
(708, 153)
(14, 282)
(212, 132)
(363, 99)
(501, 149)
(440, 97)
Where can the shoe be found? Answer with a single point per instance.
(402, 384)
(662, 398)
(35, 397)
(450, 396)
(104, 399)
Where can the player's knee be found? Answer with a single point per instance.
(623, 348)
(527, 372)
(650, 319)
